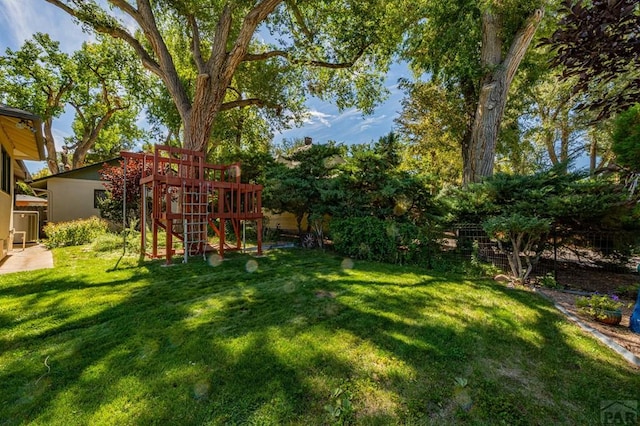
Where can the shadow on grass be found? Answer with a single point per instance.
(191, 344)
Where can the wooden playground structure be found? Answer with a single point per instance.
(188, 196)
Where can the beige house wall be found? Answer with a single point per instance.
(71, 199)
(6, 207)
(285, 221)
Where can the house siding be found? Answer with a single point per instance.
(6, 205)
(284, 221)
(71, 199)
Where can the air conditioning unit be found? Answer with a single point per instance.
(26, 224)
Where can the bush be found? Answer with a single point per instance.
(519, 237)
(370, 238)
(74, 233)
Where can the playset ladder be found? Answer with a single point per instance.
(194, 220)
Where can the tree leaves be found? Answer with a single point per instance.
(599, 42)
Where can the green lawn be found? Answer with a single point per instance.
(300, 340)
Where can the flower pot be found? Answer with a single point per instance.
(608, 317)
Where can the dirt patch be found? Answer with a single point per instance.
(321, 294)
(592, 280)
(621, 333)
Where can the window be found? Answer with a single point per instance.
(98, 196)
(5, 171)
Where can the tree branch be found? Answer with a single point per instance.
(491, 48)
(297, 14)
(251, 21)
(220, 38)
(117, 32)
(243, 103)
(286, 55)
(167, 68)
(196, 47)
(520, 44)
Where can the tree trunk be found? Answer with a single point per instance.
(549, 143)
(215, 75)
(565, 136)
(52, 155)
(494, 88)
(79, 156)
(299, 217)
(593, 155)
(199, 120)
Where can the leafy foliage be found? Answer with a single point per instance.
(598, 42)
(23, 188)
(372, 183)
(74, 233)
(433, 122)
(518, 211)
(101, 83)
(370, 238)
(596, 304)
(210, 61)
(572, 201)
(519, 237)
(114, 178)
(295, 183)
(557, 127)
(471, 64)
(626, 137)
(364, 184)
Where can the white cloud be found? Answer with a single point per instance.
(349, 114)
(373, 121)
(15, 18)
(315, 116)
(58, 137)
(21, 19)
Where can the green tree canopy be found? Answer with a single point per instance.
(100, 82)
(572, 201)
(296, 181)
(626, 138)
(334, 49)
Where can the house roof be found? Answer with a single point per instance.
(20, 171)
(29, 200)
(88, 172)
(23, 131)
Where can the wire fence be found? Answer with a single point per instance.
(576, 259)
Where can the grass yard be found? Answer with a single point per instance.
(295, 338)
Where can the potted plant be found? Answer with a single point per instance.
(604, 308)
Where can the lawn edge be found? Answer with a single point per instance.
(626, 354)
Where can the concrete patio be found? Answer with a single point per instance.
(34, 256)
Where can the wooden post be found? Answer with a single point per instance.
(259, 220)
(222, 232)
(143, 221)
(169, 241)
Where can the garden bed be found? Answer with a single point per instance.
(621, 333)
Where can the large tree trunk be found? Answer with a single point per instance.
(90, 134)
(52, 154)
(199, 119)
(565, 138)
(593, 155)
(79, 156)
(494, 88)
(215, 75)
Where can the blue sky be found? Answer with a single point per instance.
(19, 19)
